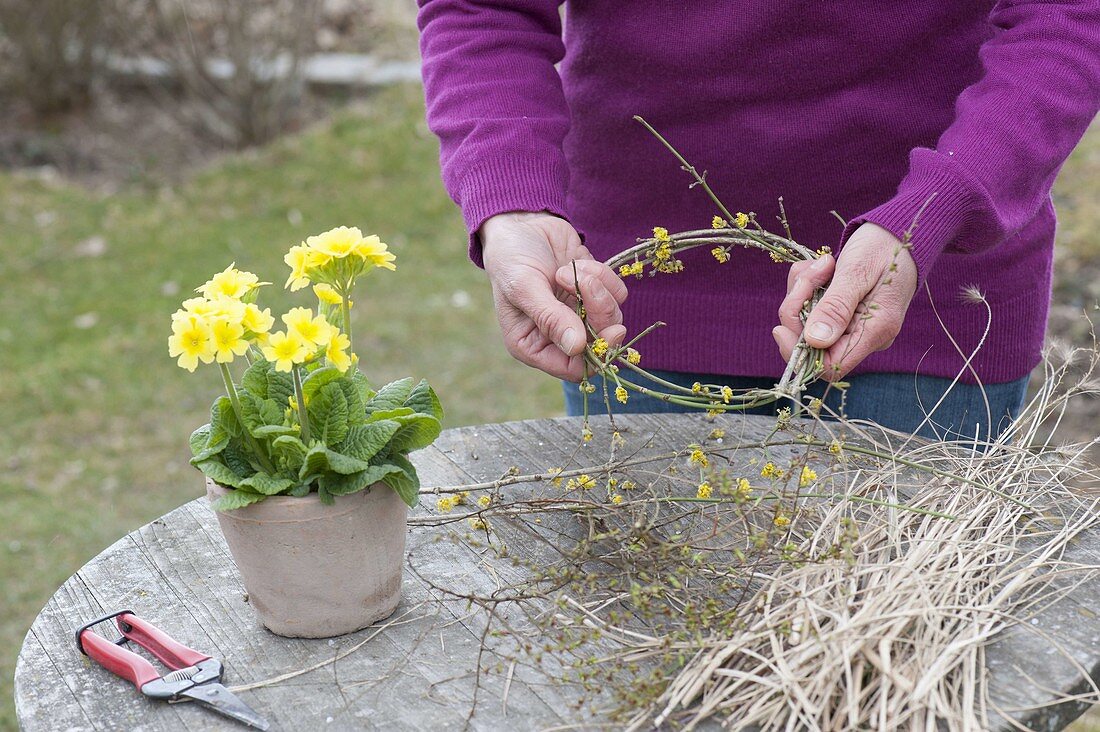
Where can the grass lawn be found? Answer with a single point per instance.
(96, 415)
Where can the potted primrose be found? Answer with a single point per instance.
(305, 462)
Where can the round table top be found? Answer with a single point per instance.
(415, 670)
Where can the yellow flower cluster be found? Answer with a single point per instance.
(721, 254)
(698, 457)
(704, 490)
(583, 482)
(305, 336)
(336, 257)
(636, 269)
(620, 394)
(727, 394)
(484, 501)
(743, 491)
(220, 324)
(660, 233)
(718, 223)
(741, 220)
(835, 447)
(771, 471)
(633, 357)
(716, 434)
(599, 347)
(807, 476)
(616, 499)
(781, 521)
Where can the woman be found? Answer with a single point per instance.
(963, 112)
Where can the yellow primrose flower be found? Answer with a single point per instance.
(327, 294)
(372, 250)
(808, 476)
(620, 394)
(228, 339)
(256, 320)
(191, 341)
(741, 220)
(719, 223)
(337, 352)
(301, 259)
(314, 330)
(230, 282)
(704, 490)
(336, 243)
(286, 350)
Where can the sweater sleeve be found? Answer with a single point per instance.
(494, 99)
(994, 166)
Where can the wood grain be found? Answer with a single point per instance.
(418, 673)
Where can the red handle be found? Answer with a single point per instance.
(118, 660)
(168, 651)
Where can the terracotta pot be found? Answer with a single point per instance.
(315, 571)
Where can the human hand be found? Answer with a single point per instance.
(528, 257)
(872, 284)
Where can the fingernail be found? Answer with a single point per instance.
(821, 332)
(818, 265)
(568, 340)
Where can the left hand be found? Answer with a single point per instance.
(873, 281)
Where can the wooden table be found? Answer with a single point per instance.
(417, 672)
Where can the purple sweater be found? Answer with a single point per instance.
(864, 107)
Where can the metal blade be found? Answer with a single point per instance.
(221, 700)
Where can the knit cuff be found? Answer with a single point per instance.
(933, 203)
(510, 184)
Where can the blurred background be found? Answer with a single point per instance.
(145, 145)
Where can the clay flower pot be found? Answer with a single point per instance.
(314, 571)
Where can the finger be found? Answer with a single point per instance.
(809, 277)
(533, 296)
(529, 346)
(600, 306)
(590, 267)
(832, 314)
(786, 339)
(875, 330)
(613, 334)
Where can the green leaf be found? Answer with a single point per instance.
(237, 499)
(390, 413)
(274, 430)
(342, 485)
(280, 387)
(328, 415)
(218, 472)
(269, 485)
(365, 441)
(391, 395)
(319, 378)
(257, 412)
(416, 431)
(255, 377)
(199, 438)
(357, 406)
(223, 425)
(424, 400)
(302, 489)
(362, 385)
(404, 481)
(239, 459)
(320, 461)
(325, 496)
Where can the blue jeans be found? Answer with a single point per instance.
(896, 401)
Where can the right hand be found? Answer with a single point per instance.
(528, 257)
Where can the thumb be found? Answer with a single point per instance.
(553, 318)
(831, 316)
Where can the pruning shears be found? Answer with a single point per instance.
(192, 675)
